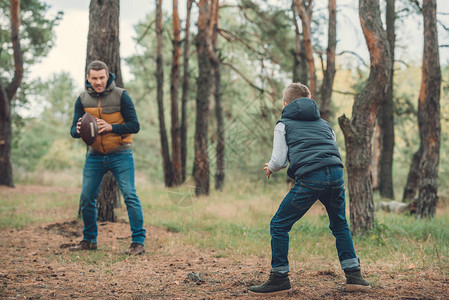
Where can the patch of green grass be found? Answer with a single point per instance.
(407, 240)
(101, 257)
(235, 223)
(19, 210)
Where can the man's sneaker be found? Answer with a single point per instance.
(276, 284)
(84, 245)
(135, 249)
(355, 281)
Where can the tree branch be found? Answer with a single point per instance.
(145, 31)
(261, 90)
(230, 37)
(344, 93)
(444, 26)
(320, 55)
(345, 126)
(416, 3)
(402, 62)
(355, 54)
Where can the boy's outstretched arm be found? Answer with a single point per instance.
(279, 157)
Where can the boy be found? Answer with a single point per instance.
(307, 142)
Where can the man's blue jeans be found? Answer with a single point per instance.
(121, 164)
(326, 184)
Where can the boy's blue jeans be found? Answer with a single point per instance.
(326, 184)
(121, 164)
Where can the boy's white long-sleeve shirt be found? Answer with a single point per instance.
(279, 156)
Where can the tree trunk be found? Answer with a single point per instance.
(305, 14)
(358, 131)
(329, 72)
(216, 66)
(109, 193)
(105, 203)
(300, 72)
(6, 176)
(201, 164)
(386, 116)
(429, 115)
(103, 44)
(175, 130)
(185, 92)
(375, 157)
(221, 168)
(300, 69)
(103, 38)
(411, 187)
(168, 170)
(6, 95)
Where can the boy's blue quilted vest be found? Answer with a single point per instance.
(310, 141)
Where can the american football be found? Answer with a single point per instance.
(89, 129)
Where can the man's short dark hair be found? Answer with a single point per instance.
(295, 91)
(97, 65)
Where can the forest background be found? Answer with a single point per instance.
(43, 107)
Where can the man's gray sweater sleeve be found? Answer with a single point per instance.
(279, 157)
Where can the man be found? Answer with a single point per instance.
(116, 118)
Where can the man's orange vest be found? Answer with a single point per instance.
(106, 107)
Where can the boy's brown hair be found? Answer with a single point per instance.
(294, 91)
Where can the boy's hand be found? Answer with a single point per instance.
(268, 172)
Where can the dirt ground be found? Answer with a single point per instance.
(36, 264)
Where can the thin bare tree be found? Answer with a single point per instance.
(201, 164)
(168, 169)
(6, 95)
(386, 115)
(300, 71)
(429, 115)
(216, 71)
(358, 130)
(185, 91)
(329, 70)
(175, 128)
(304, 9)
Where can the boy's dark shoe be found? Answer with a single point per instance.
(135, 249)
(276, 284)
(355, 281)
(84, 245)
